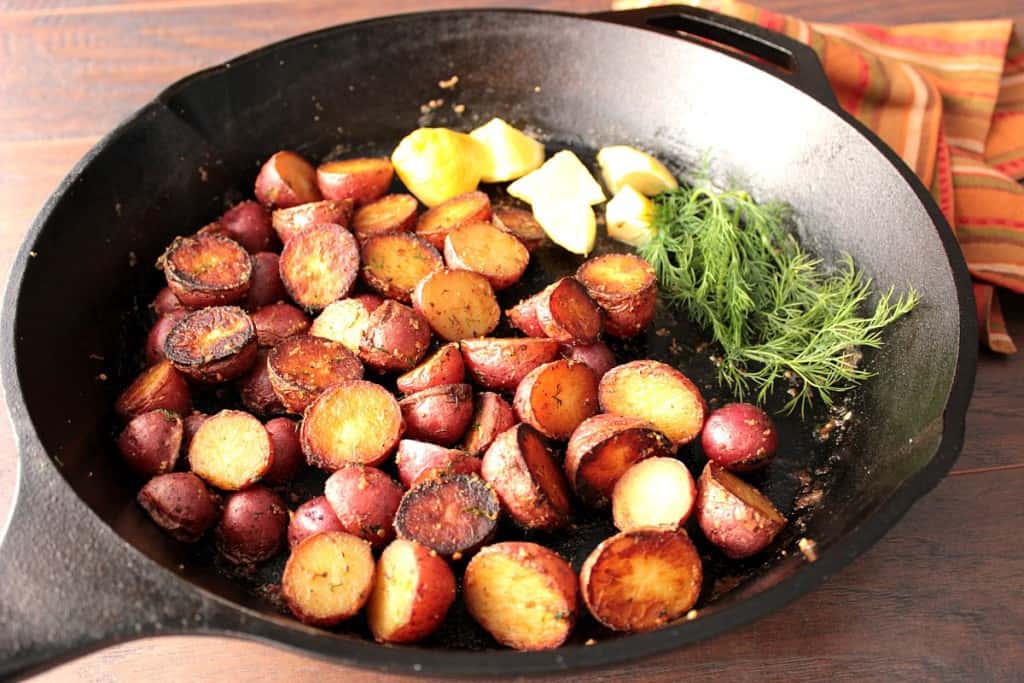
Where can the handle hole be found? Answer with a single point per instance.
(731, 39)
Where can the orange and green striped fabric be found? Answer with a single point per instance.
(949, 99)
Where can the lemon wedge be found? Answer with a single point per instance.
(569, 223)
(622, 165)
(562, 177)
(437, 164)
(630, 217)
(511, 152)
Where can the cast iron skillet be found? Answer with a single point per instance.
(81, 567)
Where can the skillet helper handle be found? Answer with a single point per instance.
(794, 62)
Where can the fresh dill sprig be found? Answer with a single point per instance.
(775, 310)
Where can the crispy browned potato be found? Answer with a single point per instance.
(658, 393)
(248, 223)
(231, 450)
(288, 458)
(740, 437)
(158, 386)
(445, 366)
(277, 322)
(603, 447)
(365, 501)
(180, 504)
(523, 594)
(328, 578)
(597, 356)
(452, 514)
(151, 442)
(257, 392)
(501, 364)
(656, 492)
(562, 311)
(415, 458)
(345, 321)
(394, 263)
(265, 286)
(733, 515)
(286, 180)
(290, 222)
(556, 397)
(362, 180)
(436, 223)
(212, 345)
(390, 213)
(158, 335)
(165, 302)
(486, 249)
(458, 304)
(320, 265)
(439, 414)
(527, 479)
(303, 367)
(625, 288)
(465, 465)
(520, 223)
(523, 317)
(356, 421)
(491, 416)
(395, 339)
(252, 527)
(642, 580)
(315, 516)
(412, 593)
(206, 270)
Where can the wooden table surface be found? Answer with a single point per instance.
(941, 597)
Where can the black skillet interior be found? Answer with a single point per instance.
(78, 313)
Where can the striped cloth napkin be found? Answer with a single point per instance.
(949, 99)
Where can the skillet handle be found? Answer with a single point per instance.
(794, 62)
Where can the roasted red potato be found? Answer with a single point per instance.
(180, 504)
(597, 356)
(603, 447)
(252, 527)
(655, 492)
(501, 364)
(277, 322)
(158, 386)
(212, 345)
(529, 482)
(303, 367)
(523, 594)
(231, 450)
(740, 437)
(165, 302)
(464, 465)
(523, 317)
(436, 223)
(256, 391)
(356, 421)
(365, 501)
(158, 335)
(625, 288)
(320, 265)
(394, 263)
(290, 222)
(491, 416)
(328, 578)
(288, 458)
(362, 180)
(567, 314)
(445, 366)
(556, 397)
(248, 223)
(458, 304)
(411, 595)
(658, 393)
(452, 514)
(190, 424)
(390, 213)
(520, 223)
(415, 458)
(395, 339)
(345, 321)
(439, 414)
(315, 516)
(265, 286)
(486, 249)
(733, 515)
(207, 270)
(151, 442)
(286, 180)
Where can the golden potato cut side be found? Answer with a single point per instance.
(658, 393)
(231, 450)
(328, 578)
(656, 492)
(355, 421)
(413, 590)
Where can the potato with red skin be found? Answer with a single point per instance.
(733, 515)
(286, 180)
(290, 222)
(248, 223)
(567, 314)
(603, 448)
(597, 356)
(257, 392)
(212, 345)
(654, 492)
(445, 366)
(641, 580)
(436, 223)
(363, 179)
(158, 386)
(626, 289)
(467, 504)
(501, 364)
(412, 593)
(390, 213)
(465, 465)
(231, 450)
(555, 398)
(416, 458)
(356, 421)
(320, 265)
(520, 223)
(252, 527)
(315, 516)
(365, 501)
(523, 594)
(657, 393)
(158, 335)
(303, 367)
(483, 248)
(492, 416)
(277, 322)
(265, 286)
(394, 263)
(439, 414)
(529, 482)
(345, 321)
(288, 458)
(328, 578)
(740, 437)
(190, 424)
(180, 504)
(395, 339)
(523, 317)
(151, 442)
(458, 304)
(165, 302)
(206, 270)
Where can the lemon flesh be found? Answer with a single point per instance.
(511, 153)
(569, 223)
(622, 165)
(562, 177)
(630, 217)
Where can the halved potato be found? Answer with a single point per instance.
(520, 223)
(658, 393)
(458, 304)
(390, 213)
(394, 263)
(562, 311)
(556, 398)
(529, 482)
(733, 515)
(328, 578)
(416, 458)
(444, 367)
(355, 421)
(411, 595)
(286, 180)
(625, 288)
(656, 492)
(492, 416)
(439, 414)
(395, 339)
(206, 270)
(364, 500)
(435, 224)
(158, 386)
(501, 364)
(362, 180)
(277, 322)
(303, 367)
(345, 321)
(214, 344)
(231, 450)
(290, 222)
(452, 514)
(320, 265)
(486, 249)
